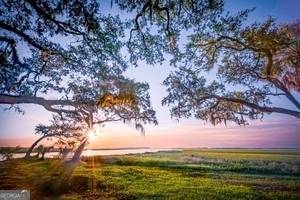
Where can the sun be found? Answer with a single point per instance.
(92, 134)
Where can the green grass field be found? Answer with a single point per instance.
(190, 174)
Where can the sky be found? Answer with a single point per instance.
(274, 131)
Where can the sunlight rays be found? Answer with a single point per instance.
(92, 134)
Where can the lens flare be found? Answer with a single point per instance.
(92, 134)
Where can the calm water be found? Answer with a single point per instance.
(99, 152)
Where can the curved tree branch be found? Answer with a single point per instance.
(258, 107)
(66, 27)
(47, 104)
(137, 26)
(23, 35)
(12, 43)
(282, 87)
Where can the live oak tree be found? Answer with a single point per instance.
(254, 65)
(72, 52)
(53, 33)
(60, 130)
(98, 97)
(117, 100)
(32, 26)
(45, 42)
(63, 47)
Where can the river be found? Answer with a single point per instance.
(100, 152)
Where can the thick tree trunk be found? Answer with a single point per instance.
(29, 151)
(64, 153)
(46, 149)
(78, 152)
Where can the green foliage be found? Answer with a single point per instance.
(156, 26)
(73, 53)
(253, 65)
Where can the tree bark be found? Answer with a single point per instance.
(36, 142)
(78, 152)
(45, 150)
(29, 151)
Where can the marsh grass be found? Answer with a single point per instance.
(190, 174)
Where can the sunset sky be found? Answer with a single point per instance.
(274, 131)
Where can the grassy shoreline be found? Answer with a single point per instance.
(189, 174)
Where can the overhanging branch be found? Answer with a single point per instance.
(21, 34)
(282, 87)
(47, 104)
(258, 107)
